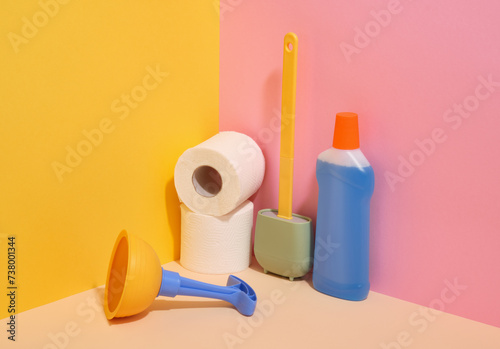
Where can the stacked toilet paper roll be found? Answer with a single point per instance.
(214, 181)
(216, 245)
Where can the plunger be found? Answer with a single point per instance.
(135, 278)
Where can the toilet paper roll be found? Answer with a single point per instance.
(219, 174)
(216, 245)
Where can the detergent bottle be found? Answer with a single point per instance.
(346, 182)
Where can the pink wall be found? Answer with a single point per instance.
(432, 225)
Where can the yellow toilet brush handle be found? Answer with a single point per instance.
(287, 125)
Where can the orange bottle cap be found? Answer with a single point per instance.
(346, 134)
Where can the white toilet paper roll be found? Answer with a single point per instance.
(219, 174)
(216, 245)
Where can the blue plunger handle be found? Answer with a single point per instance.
(237, 292)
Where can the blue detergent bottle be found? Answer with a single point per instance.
(346, 183)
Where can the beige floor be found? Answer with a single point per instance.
(288, 315)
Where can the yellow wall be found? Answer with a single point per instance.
(66, 69)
